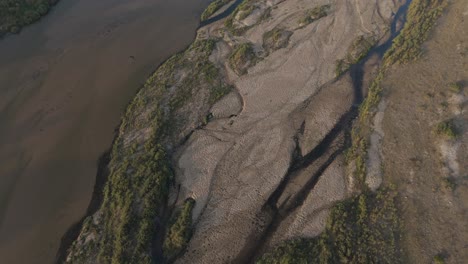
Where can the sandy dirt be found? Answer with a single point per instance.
(233, 166)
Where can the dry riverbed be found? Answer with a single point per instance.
(291, 100)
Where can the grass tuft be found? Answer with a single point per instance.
(455, 88)
(179, 231)
(212, 8)
(275, 39)
(242, 57)
(446, 128)
(314, 14)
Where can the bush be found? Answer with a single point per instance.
(276, 39)
(179, 231)
(455, 87)
(439, 259)
(212, 8)
(356, 52)
(314, 14)
(421, 17)
(450, 183)
(242, 11)
(446, 128)
(242, 57)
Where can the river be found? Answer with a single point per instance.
(64, 83)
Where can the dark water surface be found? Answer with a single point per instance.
(64, 83)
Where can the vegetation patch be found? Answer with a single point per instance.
(449, 183)
(212, 8)
(314, 14)
(179, 231)
(136, 192)
(15, 14)
(363, 229)
(447, 129)
(275, 39)
(421, 17)
(439, 259)
(356, 52)
(242, 11)
(245, 9)
(455, 87)
(242, 57)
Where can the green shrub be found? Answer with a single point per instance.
(245, 9)
(446, 128)
(212, 8)
(439, 259)
(275, 39)
(356, 52)
(450, 183)
(421, 17)
(242, 57)
(340, 67)
(359, 48)
(314, 14)
(455, 87)
(242, 11)
(179, 231)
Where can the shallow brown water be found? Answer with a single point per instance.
(64, 83)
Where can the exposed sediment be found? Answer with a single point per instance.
(271, 158)
(269, 153)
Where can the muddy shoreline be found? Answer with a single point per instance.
(72, 233)
(61, 103)
(101, 178)
(103, 171)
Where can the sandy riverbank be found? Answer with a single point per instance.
(64, 84)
